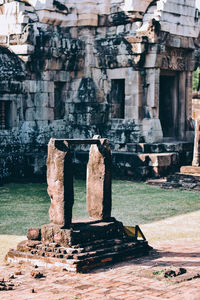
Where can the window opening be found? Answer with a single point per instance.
(117, 98)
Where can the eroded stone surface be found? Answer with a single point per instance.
(60, 184)
(99, 181)
(34, 234)
(85, 246)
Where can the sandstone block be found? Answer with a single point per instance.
(30, 114)
(41, 99)
(135, 5)
(132, 112)
(44, 113)
(34, 234)
(60, 183)
(54, 234)
(99, 181)
(87, 20)
(22, 49)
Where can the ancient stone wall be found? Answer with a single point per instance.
(63, 62)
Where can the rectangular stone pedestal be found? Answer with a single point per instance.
(85, 246)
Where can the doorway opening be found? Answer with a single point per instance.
(117, 98)
(168, 104)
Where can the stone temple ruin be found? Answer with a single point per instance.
(78, 245)
(118, 68)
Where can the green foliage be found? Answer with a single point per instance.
(195, 79)
(26, 205)
(159, 272)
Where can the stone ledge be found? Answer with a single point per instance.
(190, 170)
(81, 233)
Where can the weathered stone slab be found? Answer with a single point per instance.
(60, 183)
(99, 181)
(190, 170)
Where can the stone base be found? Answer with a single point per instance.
(190, 170)
(85, 246)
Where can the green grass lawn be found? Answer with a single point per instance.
(26, 205)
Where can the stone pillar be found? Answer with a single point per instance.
(60, 183)
(196, 154)
(99, 181)
(182, 105)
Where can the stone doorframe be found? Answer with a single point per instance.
(174, 102)
(182, 100)
(152, 130)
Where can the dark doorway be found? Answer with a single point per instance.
(168, 105)
(59, 105)
(5, 118)
(117, 98)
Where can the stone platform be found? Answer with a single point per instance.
(86, 245)
(190, 170)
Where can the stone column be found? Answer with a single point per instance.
(99, 181)
(196, 154)
(182, 105)
(60, 183)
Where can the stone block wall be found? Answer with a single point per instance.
(60, 60)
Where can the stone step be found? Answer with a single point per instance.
(51, 250)
(145, 159)
(81, 234)
(159, 147)
(83, 261)
(190, 170)
(140, 248)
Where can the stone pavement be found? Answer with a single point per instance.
(133, 280)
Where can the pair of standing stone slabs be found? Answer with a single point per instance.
(60, 180)
(81, 245)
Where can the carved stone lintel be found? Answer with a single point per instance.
(174, 59)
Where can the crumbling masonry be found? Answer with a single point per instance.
(73, 69)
